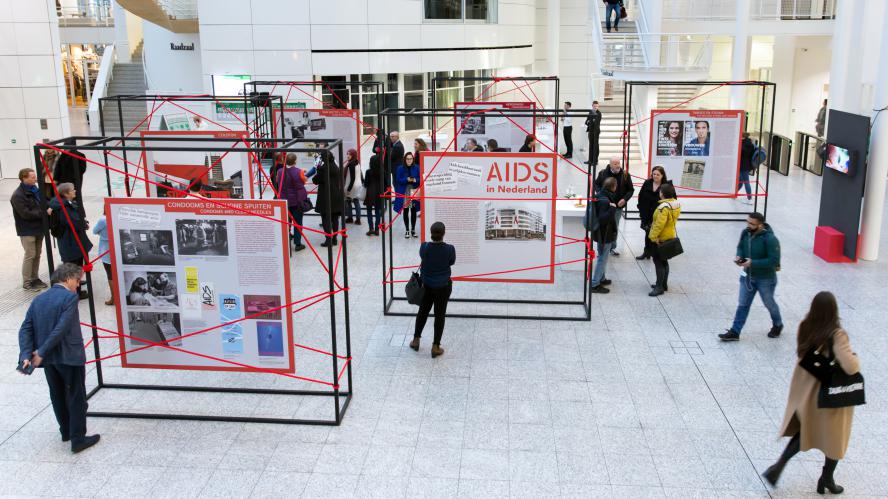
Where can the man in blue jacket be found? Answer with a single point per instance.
(758, 254)
(50, 338)
(28, 217)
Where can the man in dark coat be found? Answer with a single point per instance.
(50, 338)
(623, 194)
(28, 217)
(69, 249)
(606, 235)
(593, 130)
(331, 196)
(747, 150)
(396, 150)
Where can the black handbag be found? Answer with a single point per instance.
(818, 364)
(841, 390)
(415, 290)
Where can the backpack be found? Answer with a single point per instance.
(56, 226)
(759, 156)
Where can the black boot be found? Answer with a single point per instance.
(772, 474)
(826, 481)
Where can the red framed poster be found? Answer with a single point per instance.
(481, 128)
(210, 279)
(342, 124)
(699, 149)
(499, 210)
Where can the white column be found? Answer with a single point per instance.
(847, 64)
(553, 40)
(740, 55)
(782, 71)
(121, 42)
(874, 194)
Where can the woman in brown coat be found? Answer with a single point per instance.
(809, 426)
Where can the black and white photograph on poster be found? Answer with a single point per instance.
(146, 247)
(699, 149)
(669, 138)
(202, 237)
(317, 124)
(472, 124)
(151, 289)
(295, 123)
(515, 221)
(155, 327)
(698, 138)
(692, 173)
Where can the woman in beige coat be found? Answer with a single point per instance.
(809, 426)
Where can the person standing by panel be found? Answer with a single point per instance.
(747, 149)
(568, 132)
(69, 250)
(292, 188)
(593, 130)
(352, 171)
(809, 426)
(50, 338)
(820, 122)
(28, 218)
(648, 198)
(330, 197)
(606, 235)
(529, 144)
(406, 183)
(396, 152)
(624, 191)
(437, 259)
(373, 190)
(663, 229)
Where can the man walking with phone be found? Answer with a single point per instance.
(50, 338)
(758, 256)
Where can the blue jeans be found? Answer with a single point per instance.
(744, 182)
(615, 9)
(598, 272)
(618, 215)
(377, 208)
(353, 209)
(295, 235)
(748, 288)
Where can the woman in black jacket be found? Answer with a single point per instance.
(352, 171)
(330, 197)
(648, 198)
(373, 190)
(529, 144)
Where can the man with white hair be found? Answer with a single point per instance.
(624, 191)
(396, 152)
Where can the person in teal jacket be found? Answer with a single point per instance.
(758, 254)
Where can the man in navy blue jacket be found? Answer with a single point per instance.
(50, 338)
(28, 217)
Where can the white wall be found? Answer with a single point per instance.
(274, 39)
(810, 75)
(171, 70)
(31, 83)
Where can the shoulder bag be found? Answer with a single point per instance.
(840, 389)
(415, 289)
(670, 248)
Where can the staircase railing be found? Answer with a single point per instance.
(726, 10)
(106, 74)
(179, 9)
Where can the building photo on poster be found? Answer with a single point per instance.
(209, 277)
(491, 131)
(499, 210)
(700, 150)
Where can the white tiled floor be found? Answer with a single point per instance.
(644, 401)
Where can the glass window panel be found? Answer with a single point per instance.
(413, 81)
(443, 9)
(392, 83)
(476, 9)
(414, 100)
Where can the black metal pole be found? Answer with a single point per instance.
(768, 174)
(770, 143)
(95, 332)
(38, 163)
(331, 237)
(105, 152)
(126, 183)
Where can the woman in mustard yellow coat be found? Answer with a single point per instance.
(663, 229)
(810, 426)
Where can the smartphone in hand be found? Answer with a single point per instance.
(25, 370)
(741, 261)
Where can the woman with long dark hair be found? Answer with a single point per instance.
(648, 198)
(406, 183)
(809, 426)
(670, 143)
(529, 144)
(352, 172)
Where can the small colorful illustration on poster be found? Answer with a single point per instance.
(270, 338)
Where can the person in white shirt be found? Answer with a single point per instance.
(568, 132)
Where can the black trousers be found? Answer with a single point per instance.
(409, 216)
(568, 141)
(67, 391)
(661, 266)
(649, 247)
(593, 147)
(330, 226)
(439, 298)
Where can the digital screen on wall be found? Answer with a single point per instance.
(230, 84)
(838, 159)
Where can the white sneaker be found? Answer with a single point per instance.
(407, 235)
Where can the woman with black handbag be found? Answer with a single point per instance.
(648, 198)
(663, 233)
(437, 258)
(822, 347)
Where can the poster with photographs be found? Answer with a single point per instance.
(490, 130)
(221, 173)
(699, 149)
(204, 276)
(318, 124)
(499, 210)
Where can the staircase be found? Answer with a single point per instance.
(127, 79)
(610, 141)
(676, 96)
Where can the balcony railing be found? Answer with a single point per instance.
(90, 14)
(765, 10)
(179, 9)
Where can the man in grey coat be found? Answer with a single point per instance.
(50, 338)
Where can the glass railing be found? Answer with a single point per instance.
(179, 9)
(726, 10)
(94, 13)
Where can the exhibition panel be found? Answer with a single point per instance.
(491, 132)
(203, 295)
